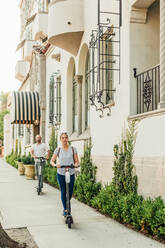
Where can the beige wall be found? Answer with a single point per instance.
(150, 172)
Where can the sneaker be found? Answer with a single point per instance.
(64, 213)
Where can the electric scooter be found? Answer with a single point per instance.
(40, 174)
(69, 218)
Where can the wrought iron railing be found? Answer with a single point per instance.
(148, 89)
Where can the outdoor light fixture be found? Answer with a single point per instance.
(36, 122)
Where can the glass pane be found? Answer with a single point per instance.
(87, 91)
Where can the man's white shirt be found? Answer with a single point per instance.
(40, 150)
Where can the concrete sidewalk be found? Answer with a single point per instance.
(20, 206)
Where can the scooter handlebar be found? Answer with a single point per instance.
(41, 158)
(69, 166)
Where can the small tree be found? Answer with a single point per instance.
(87, 166)
(124, 179)
(16, 148)
(2, 114)
(52, 141)
(20, 149)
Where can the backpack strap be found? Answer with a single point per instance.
(73, 154)
(58, 152)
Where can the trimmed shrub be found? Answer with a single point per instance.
(86, 187)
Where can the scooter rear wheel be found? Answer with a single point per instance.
(69, 222)
(38, 191)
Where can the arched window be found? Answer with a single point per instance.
(75, 102)
(55, 99)
(87, 91)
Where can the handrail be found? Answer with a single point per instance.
(135, 69)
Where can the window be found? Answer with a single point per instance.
(75, 102)
(58, 99)
(51, 100)
(20, 130)
(28, 33)
(87, 91)
(42, 5)
(28, 135)
(106, 75)
(55, 99)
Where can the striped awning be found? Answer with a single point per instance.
(25, 107)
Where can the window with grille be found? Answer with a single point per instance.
(20, 130)
(28, 135)
(55, 99)
(51, 100)
(87, 91)
(106, 74)
(42, 5)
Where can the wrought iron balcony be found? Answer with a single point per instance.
(148, 89)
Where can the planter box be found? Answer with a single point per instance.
(29, 171)
(21, 168)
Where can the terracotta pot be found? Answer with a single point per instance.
(21, 168)
(29, 171)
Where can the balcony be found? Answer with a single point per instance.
(148, 89)
(21, 69)
(65, 24)
(28, 47)
(40, 26)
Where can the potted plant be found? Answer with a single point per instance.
(21, 167)
(29, 167)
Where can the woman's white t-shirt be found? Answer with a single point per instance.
(65, 158)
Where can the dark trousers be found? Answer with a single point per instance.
(37, 165)
(62, 184)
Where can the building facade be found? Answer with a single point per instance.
(95, 65)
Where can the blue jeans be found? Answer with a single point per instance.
(62, 183)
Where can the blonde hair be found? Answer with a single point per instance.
(63, 133)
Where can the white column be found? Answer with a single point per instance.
(162, 54)
(42, 94)
(79, 80)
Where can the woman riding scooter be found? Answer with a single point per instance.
(67, 155)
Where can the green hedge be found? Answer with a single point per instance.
(146, 215)
(12, 160)
(85, 189)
